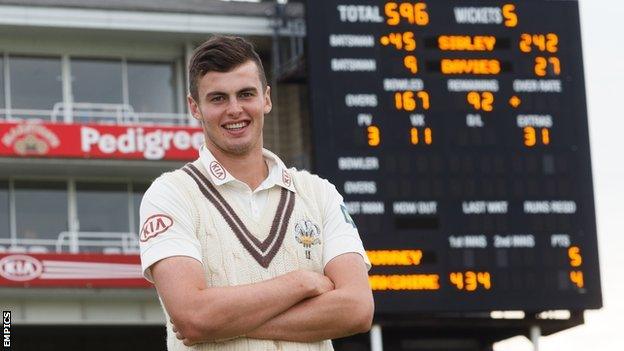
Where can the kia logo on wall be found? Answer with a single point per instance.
(20, 268)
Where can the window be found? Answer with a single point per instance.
(138, 189)
(102, 207)
(5, 229)
(40, 209)
(151, 87)
(36, 82)
(97, 81)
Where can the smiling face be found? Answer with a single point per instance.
(231, 108)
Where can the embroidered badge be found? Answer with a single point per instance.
(217, 170)
(307, 234)
(154, 225)
(286, 178)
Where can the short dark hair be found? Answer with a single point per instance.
(221, 54)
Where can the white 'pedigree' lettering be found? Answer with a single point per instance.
(154, 145)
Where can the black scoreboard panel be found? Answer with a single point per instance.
(457, 133)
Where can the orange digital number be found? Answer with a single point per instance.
(373, 134)
(481, 101)
(545, 136)
(542, 64)
(406, 100)
(411, 63)
(484, 279)
(511, 19)
(400, 41)
(552, 40)
(415, 138)
(576, 277)
(541, 42)
(470, 278)
(413, 13)
(574, 254)
(424, 98)
(457, 279)
(471, 281)
(531, 138)
(391, 12)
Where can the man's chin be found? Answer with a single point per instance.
(237, 150)
(235, 147)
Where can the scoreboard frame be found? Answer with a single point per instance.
(525, 238)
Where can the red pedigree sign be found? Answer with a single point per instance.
(99, 141)
(71, 270)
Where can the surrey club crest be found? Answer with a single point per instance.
(307, 234)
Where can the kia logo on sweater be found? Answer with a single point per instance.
(155, 225)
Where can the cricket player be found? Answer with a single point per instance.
(245, 253)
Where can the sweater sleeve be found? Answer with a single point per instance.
(340, 233)
(167, 225)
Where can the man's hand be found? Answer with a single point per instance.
(319, 283)
(345, 310)
(179, 335)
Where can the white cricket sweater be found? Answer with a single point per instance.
(236, 249)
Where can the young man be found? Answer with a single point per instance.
(245, 253)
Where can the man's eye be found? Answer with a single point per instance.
(217, 99)
(246, 94)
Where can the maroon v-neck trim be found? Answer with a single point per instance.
(262, 251)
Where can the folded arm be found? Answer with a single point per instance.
(346, 310)
(202, 313)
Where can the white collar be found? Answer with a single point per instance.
(278, 173)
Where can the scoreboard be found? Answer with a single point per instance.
(457, 133)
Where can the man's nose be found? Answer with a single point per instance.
(234, 107)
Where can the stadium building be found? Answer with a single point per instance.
(92, 109)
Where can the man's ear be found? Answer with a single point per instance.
(193, 107)
(268, 104)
